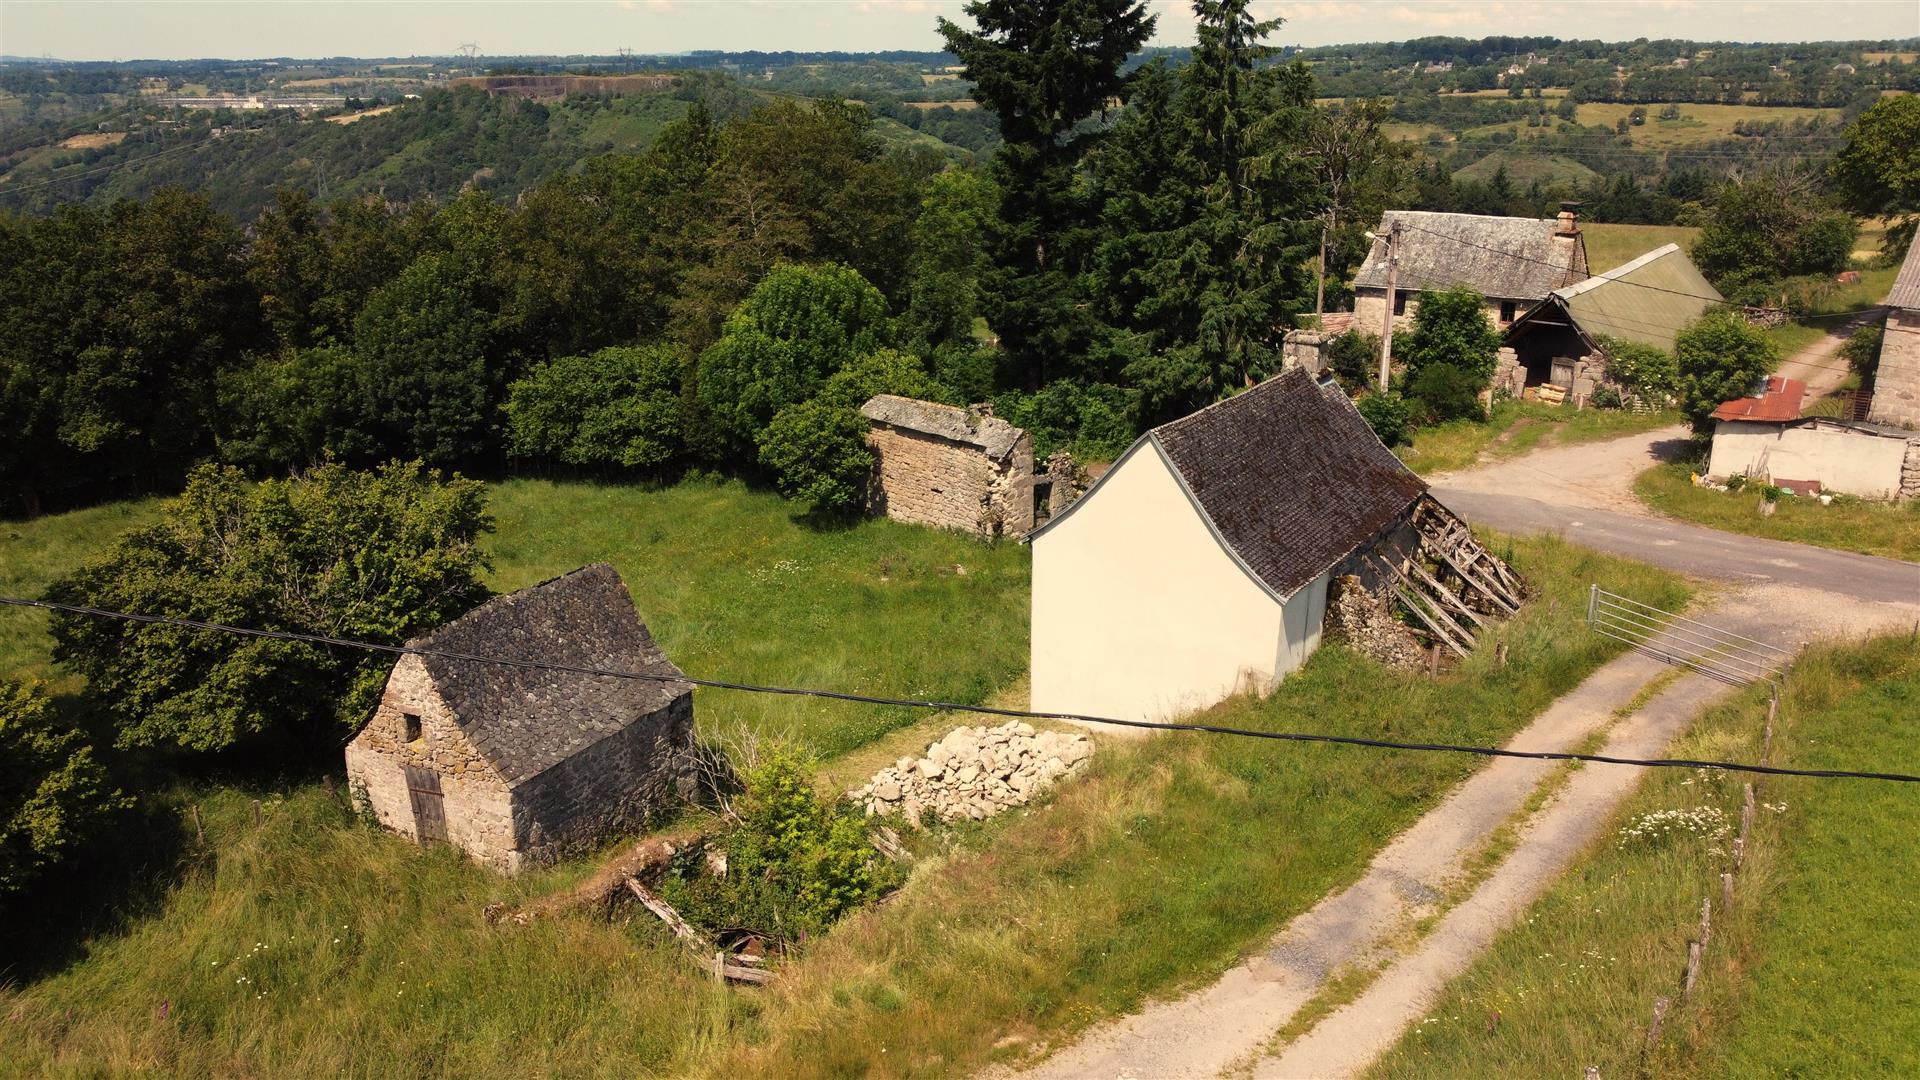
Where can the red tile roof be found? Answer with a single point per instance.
(1779, 404)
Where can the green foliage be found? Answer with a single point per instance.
(293, 409)
(1388, 414)
(1769, 228)
(1441, 392)
(1643, 369)
(949, 258)
(817, 453)
(1861, 350)
(53, 794)
(800, 325)
(882, 371)
(620, 407)
(374, 556)
(1096, 422)
(795, 862)
(1354, 359)
(1719, 358)
(423, 339)
(1878, 170)
(1450, 327)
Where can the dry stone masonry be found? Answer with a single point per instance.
(975, 773)
(949, 467)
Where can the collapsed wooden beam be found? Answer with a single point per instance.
(695, 940)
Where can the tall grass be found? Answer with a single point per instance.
(34, 553)
(1804, 975)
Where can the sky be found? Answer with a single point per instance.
(245, 29)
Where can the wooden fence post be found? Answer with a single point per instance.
(1433, 662)
(1500, 656)
(199, 830)
(1766, 742)
(1693, 967)
(1726, 891)
(1659, 1015)
(256, 813)
(1706, 921)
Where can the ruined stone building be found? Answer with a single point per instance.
(517, 764)
(949, 467)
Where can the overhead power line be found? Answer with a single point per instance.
(953, 706)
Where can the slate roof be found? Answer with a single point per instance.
(1504, 257)
(1290, 477)
(1648, 301)
(1906, 286)
(1779, 403)
(991, 434)
(525, 720)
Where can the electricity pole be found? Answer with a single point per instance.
(1386, 331)
(626, 60)
(469, 51)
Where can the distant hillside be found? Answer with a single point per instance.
(430, 147)
(1523, 169)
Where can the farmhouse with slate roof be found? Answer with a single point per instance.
(1201, 563)
(1513, 262)
(517, 764)
(1647, 301)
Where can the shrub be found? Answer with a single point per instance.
(1387, 414)
(295, 409)
(52, 791)
(883, 371)
(1862, 350)
(617, 407)
(1643, 369)
(818, 453)
(795, 862)
(1719, 358)
(1450, 327)
(1097, 422)
(1606, 397)
(1354, 359)
(374, 556)
(1442, 392)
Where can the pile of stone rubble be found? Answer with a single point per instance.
(975, 772)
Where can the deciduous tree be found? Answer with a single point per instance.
(1720, 357)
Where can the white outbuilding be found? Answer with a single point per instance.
(1199, 565)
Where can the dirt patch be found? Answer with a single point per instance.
(94, 140)
(351, 117)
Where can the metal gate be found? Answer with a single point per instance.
(429, 806)
(1675, 639)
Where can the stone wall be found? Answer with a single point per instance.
(1363, 621)
(1370, 312)
(477, 804)
(1910, 471)
(928, 480)
(1896, 383)
(616, 785)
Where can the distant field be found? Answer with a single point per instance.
(351, 117)
(929, 80)
(961, 105)
(1883, 57)
(1524, 169)
(347, 80)
(1549, 93)
(93, 140)
(1609, 246)
(1697, 123)
(1411, 132)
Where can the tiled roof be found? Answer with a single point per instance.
(1906, 287)
(1778, 404)
(1506, 257)
(993, 435)
(1290, 475)
(525, 720)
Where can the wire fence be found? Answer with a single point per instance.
(1720, 654)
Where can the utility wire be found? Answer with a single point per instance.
(952, 706)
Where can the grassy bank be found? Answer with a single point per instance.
(1518, 427)
(1871, 528)
(1153, 872)
(1609, 246)
(1803, 976)
(731, 584)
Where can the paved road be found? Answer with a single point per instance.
(1691, 549)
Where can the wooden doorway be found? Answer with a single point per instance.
(429, 806)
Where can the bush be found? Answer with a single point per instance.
(818, 453)
(1450, 327)
(293, 410)
(617, 407)
(1719, 358)
(1387, 414)
(374, 556)
(1442, 392)
(52, 791)
(1097, 422)
(1862, 350)
(1354, 359)
(883, 371)
(1606, 397)
(795, 862)
(1643, 369)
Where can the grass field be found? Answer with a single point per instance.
(1517, 427)
(1523, 169)
(1804, 976)
(1697, 123)
(1609, 246)
(1871, 528)
(312, 945)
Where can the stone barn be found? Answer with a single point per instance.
(949, 467)
(515, 765)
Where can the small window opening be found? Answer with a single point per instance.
(1399, 303)
(412, 723)
(1506, 311)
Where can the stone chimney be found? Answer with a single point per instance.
(1567, 224)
